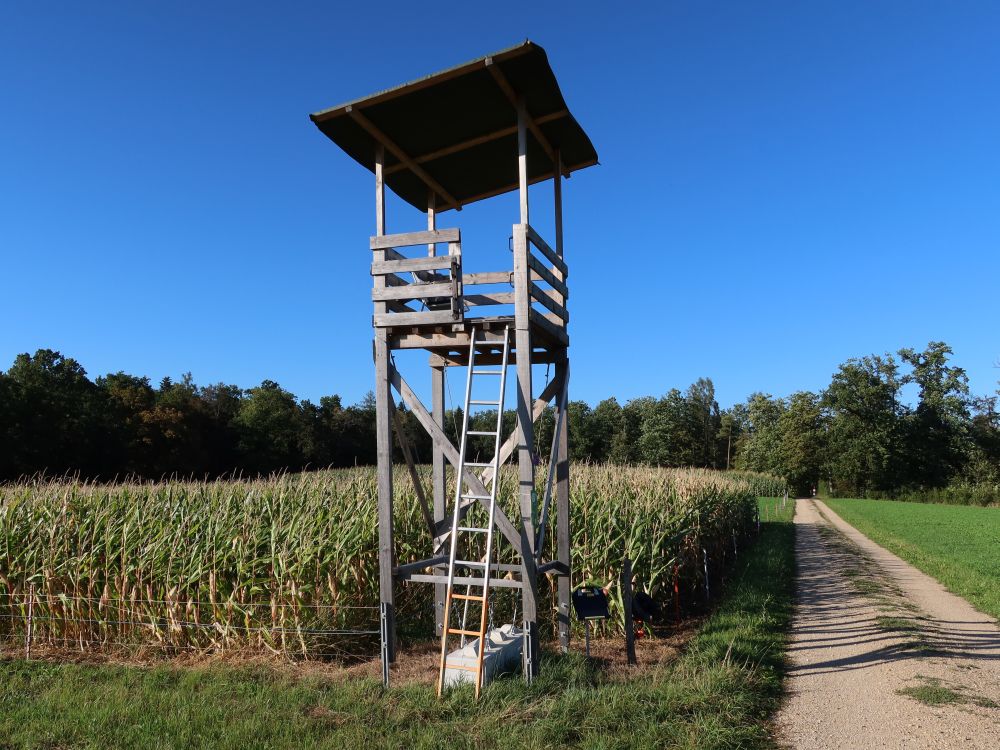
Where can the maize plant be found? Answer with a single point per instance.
(289, 564)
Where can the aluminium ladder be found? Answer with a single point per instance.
(463, 499)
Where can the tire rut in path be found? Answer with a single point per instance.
(868, 625)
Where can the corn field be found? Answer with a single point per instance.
(289, 563)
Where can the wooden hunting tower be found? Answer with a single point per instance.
(489, 127)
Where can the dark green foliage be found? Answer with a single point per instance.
(859, 438)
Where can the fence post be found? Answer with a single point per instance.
(31, 621)
(626, 581)
(384, 635)
(704, 558)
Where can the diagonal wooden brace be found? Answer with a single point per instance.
(451, 454)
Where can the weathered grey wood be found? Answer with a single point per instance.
(522, 159)
(451, 454)
(555, 567)
(525, 430)
(431, 221)
(511, 443)
(547, 276)
(439, 484)
(473, 142)
(557, 196)
(411, 239)
(547, 251)
(414, 291)
(383, 438)
(386, 142)
(543, 297)
(392, 279)
(490, 277)
(551, 329)
(563, 531)
(404, 446)
(401, 571)
(410, 265)
(431, 317)
(491, 298)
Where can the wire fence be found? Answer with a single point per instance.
(43, 620)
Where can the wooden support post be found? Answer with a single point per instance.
(522, 158)
(526, 451)
(431, 220)
(563, 531)
(438, 481)
(383, 438)
(626, 583)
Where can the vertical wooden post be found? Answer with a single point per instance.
(438, 482)
(383, 437)
(563, 531)
(431, 220)
(626, 583)
(525, 402)
(522, 158)
(30, 629)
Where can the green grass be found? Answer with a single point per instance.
(719, 694)
(956, 544)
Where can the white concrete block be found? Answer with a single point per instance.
(503, 654)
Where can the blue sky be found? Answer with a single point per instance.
(782, 185)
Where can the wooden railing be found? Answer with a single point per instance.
(440, 292)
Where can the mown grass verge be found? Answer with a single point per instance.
(720, 693)
(955, 544)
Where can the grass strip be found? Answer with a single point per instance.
(720, 693)
(955, 544)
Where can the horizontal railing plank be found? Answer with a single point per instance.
(547, 251)
(547, 276)
(432, 317)
(439, 262)
(413, 291)
(489, 277)
(544, 298)
(409, 239)
(491, 298)
(551, 327)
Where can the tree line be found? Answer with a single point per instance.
(858, 436)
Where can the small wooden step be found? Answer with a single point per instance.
(461, 666)
(469, 597)
(457, 631)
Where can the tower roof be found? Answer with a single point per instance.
(454, 133)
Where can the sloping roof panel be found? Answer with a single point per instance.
(459, 127)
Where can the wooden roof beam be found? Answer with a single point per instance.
(473, 142)
(396, 151)
(532, 124)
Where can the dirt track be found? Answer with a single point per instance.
(868, 625)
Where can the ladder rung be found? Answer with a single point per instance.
(482, 432)
(473, 528)
(461, 666)
(478, 465)
(479, 402)
(476, 497)
(470, 564)
(487, 372)
(458, 631)
(469, 597)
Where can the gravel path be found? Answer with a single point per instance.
(868, 625)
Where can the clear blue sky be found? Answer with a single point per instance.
(783, 185)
